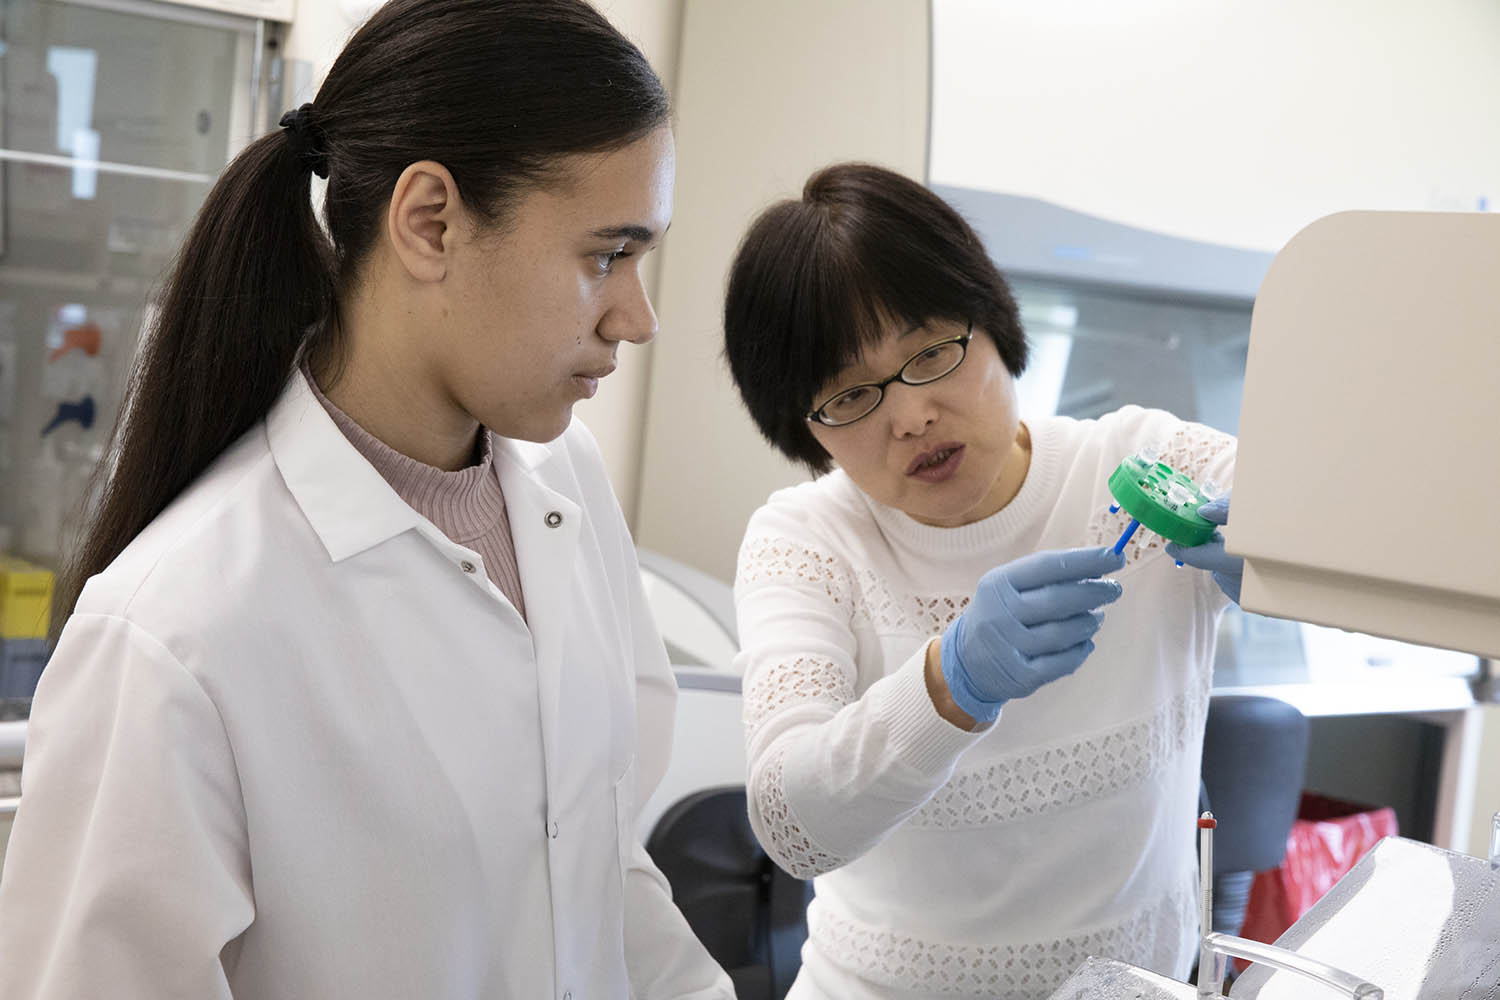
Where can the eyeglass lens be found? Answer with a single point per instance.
(929, 366)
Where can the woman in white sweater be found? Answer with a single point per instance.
(988, 780)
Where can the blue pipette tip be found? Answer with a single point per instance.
(1114, 508)
(1120, 545)
(1179, 564)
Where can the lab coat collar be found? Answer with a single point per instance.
(528, 455)
(347, 502)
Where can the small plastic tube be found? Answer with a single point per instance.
(1181, 496)
(1206, 824)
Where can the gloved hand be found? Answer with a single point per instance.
(1031, 621)
(1228, 570)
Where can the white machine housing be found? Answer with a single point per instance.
(1368, 471)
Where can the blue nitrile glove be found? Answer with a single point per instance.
(1031, 621)
(1228, 570)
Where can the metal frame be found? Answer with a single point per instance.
(172, 11)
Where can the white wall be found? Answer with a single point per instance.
(318, 31)
(1232, 121)
(617, 413)
(767, 92)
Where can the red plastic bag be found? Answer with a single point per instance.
(1327, 839)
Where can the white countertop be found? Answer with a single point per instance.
(1378, 695)
(1327, 672)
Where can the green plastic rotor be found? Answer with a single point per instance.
(1162, 499)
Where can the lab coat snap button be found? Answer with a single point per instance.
(553, 518)
(466, 566)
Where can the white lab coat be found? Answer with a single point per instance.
(294, 744)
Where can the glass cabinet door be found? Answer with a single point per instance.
(115, 118)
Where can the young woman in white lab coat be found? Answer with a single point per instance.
(297, 739)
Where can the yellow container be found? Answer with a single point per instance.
(25, 599)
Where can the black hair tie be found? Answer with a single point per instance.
(306, 139)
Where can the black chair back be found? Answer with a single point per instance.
(749, 914)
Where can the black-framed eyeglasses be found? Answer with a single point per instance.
(927, 365)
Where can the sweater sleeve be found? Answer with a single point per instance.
(834, 764)
(1205, 454)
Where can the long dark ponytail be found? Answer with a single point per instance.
(495, 90)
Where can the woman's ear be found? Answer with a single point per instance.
(422, 219)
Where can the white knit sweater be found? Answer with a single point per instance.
(985, 864)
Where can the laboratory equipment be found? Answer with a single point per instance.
(1409, 922)
(85, 338)
(25, 599)
(1109, 979)
(709, 719)
(1217, 948)
(1373, 347)
(693, 611)
(1160, 498)
(1206, 825)
(25, 617)
(1164, 500)
(80, 412)
(1366, 463)
(1417, 920)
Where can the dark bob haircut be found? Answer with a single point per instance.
(816, 281)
